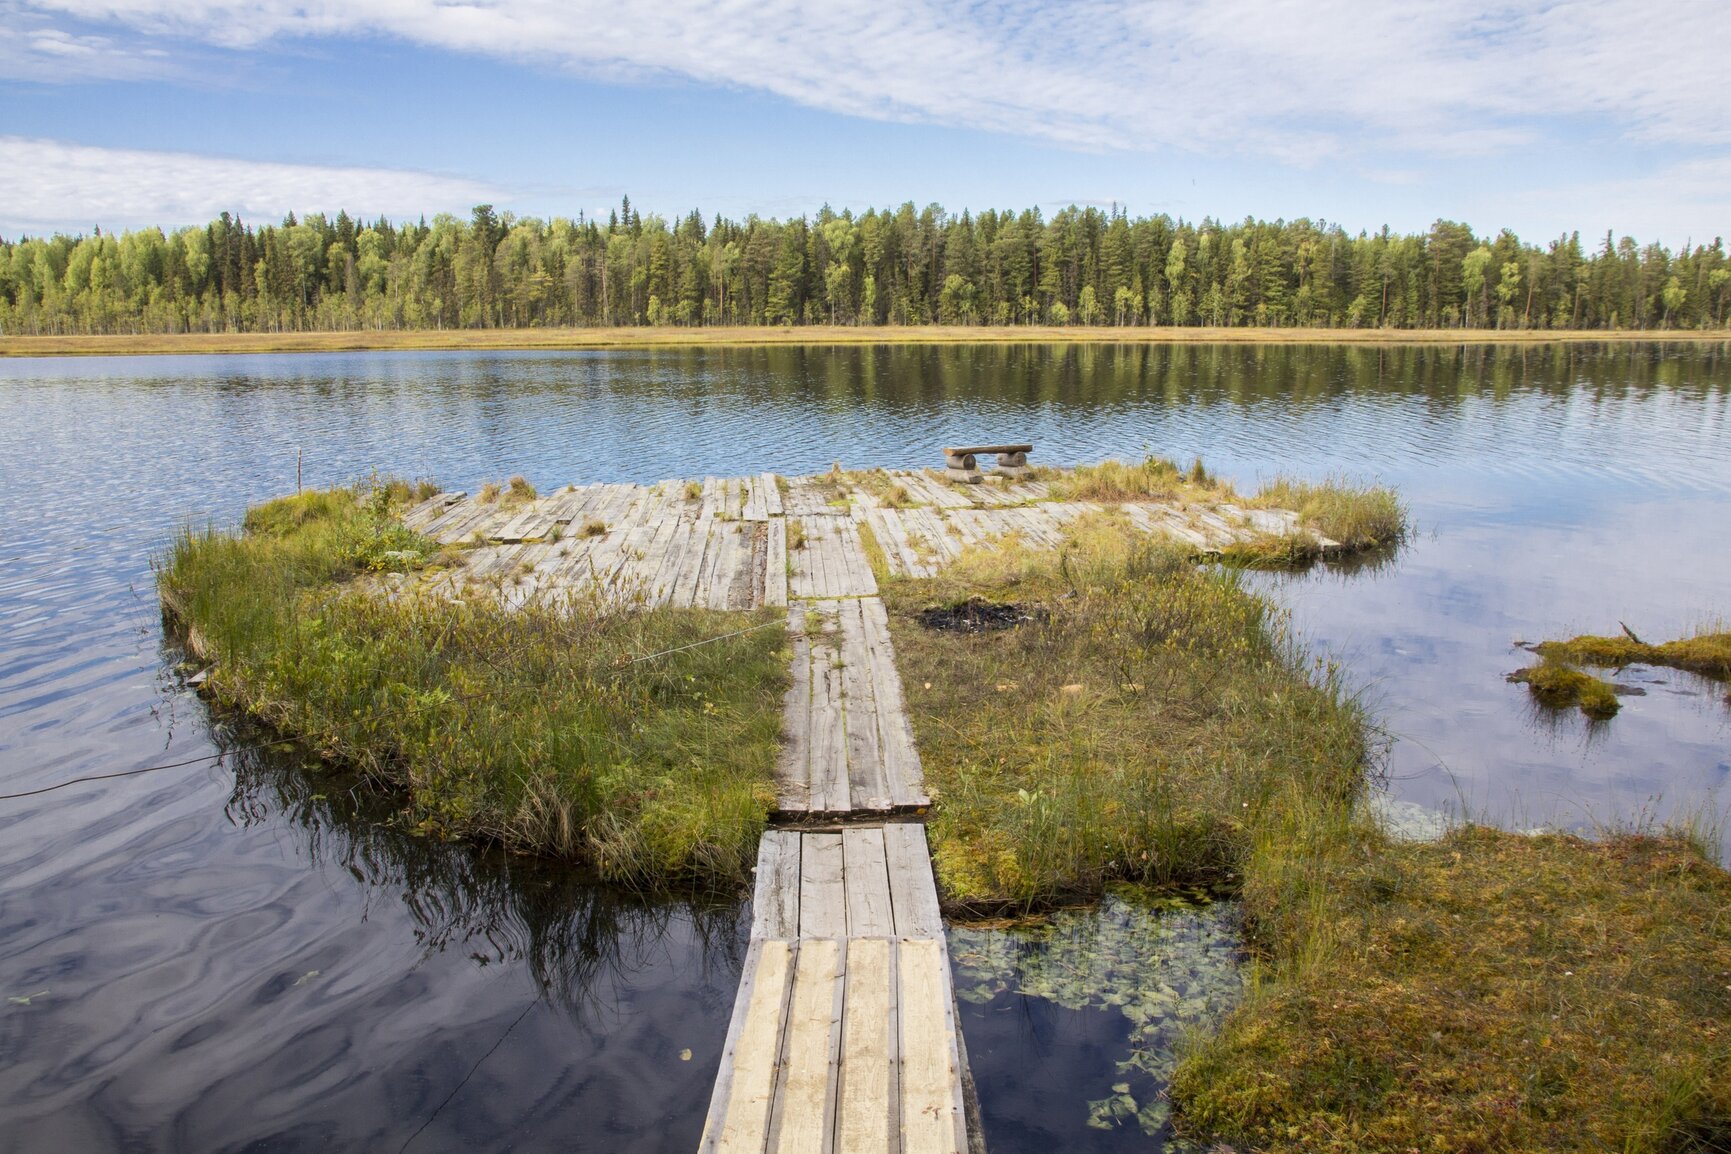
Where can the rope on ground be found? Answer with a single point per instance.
(696, 644)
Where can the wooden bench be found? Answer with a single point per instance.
(1012, 460)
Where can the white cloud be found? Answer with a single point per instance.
(1672, 202)
(47, 185)
(1295, 80)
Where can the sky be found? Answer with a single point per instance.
(1543, 117)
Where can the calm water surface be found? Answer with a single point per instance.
(236, 955)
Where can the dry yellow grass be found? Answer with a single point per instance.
(602, 338)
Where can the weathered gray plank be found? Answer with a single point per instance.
(869, 1067)
(775, 563)
(803, 1117)
(775, 898)
(870, 913)
(931, 1084)
(741, 1126)
(822, 898)
(913, 893)
(793, 767)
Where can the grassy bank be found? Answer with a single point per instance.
(1148, 720)
(1491, 992)
(548, 728)
(665, 337)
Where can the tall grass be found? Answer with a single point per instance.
(1148, 479)
(1140, 727)
(550, 727)
(1357, 516)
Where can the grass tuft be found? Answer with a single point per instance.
(1559, 686)
(1359, 517)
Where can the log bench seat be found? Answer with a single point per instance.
(961, 465)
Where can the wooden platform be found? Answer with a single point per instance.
(844, 1035)
(724, 542)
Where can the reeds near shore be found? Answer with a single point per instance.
(553, 727)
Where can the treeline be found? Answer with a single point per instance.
(902, 266)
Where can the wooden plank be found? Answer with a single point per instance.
(793, 768)
(803, 1119)
(913, 893)
(775, 900)
(867, 878)
(931, 1084)
(868, 784)
(771, 494)
(822, 898)
(862, 582)
(903, 773)
(868, 1058)
(775, 563)
(755, 507)
(747, 1084)
(829, 773)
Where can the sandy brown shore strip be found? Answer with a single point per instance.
(649, 338)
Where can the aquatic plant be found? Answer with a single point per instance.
(1167, 965)
(1559, 686)
(569, 727)
(1707, 651)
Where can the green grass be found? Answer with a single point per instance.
(1142, 728)
(1359, 517)
(1559, 686)
(1707, 652)
(537, 727)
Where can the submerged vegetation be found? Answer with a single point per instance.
(567, 728)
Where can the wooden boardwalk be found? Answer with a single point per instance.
(844, 1036)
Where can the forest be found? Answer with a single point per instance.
(903, 266)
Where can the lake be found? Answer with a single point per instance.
(238, 954)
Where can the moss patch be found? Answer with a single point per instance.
(1490, 992)
(1707, 652)
(1560, 686)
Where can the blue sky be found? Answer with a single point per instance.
(1542, 117)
